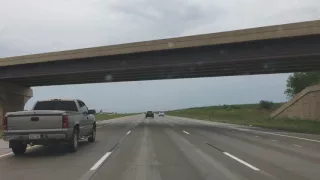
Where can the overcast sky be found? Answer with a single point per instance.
(37, 26)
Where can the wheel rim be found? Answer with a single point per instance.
(75, 140)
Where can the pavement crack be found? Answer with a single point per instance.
(114, 147)
(215, 147)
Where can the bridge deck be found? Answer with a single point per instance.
(247, 35)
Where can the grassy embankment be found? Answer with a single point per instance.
(249, 114)
(100, 117)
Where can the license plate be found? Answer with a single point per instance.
(34, 136)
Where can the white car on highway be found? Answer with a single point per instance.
(161, 114)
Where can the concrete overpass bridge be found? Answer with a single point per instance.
(274, 49)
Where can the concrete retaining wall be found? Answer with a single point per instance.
(305, 105)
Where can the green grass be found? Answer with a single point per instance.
(248, 114)
(100, 117)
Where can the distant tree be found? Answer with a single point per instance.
(266, 104)
(298, 81)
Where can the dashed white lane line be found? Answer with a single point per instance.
(186, 132)
(128, 132)
(171, 124)
(241, 161)
(306, 139)
(98, 163)
(296, 145)
(274, 140)
(7, 154)
(256, 136)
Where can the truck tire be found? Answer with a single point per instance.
(74, 141)
(92, 138)
(18, 148)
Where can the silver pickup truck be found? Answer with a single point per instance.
(50, 122)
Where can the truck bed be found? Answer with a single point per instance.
(34, 120)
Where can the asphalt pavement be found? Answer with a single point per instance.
(172, 148)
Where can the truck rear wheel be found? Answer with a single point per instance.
(92, 138)
(18, 148)
(74, 141)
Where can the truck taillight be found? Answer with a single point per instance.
(5, 123)
(65, 121)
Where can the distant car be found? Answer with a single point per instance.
(149, 114)
(161, 114)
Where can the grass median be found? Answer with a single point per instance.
(100, 117)
(249, 114)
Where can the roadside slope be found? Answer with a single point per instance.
(249, 114)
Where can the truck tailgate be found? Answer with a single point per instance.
(35, 120)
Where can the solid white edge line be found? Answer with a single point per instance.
(241, 161)
(128, 132)
(186, 132)
(98, 163)
(7, 154)
(102, 126)
(296, 145)
(313, 140)
(3, 155)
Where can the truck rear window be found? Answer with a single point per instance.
(56, 105)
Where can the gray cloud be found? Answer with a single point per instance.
(42, 25)
(36, 26)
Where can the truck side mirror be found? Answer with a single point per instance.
(91, 111)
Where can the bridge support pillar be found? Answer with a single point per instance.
(13, 97)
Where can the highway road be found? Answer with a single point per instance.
(172, 148)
